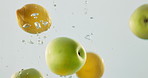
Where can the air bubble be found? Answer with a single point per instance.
(54, 5)
(31, 42)
(91, 34)
(37, 25)
(73, 26)
(26, 25)
(41, 21)
(70, 76)
(87, 37)
(91, 18)
(35, 17)
(23, 41)
(34, 14)
(45, 23)
(86, 2)
(44, 37)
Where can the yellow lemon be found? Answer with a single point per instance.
(93, 68)
(33, 18)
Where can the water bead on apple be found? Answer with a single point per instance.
(33, 18)
(65, 56)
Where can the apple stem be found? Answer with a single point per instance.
(146, 21)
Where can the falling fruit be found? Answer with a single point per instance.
(139, 22)
(27, 73)
(65, 56)
(33, 18)
(93, 68)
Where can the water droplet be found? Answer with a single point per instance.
(26, 25)
(42, 42)
(53, 26)
(86, 2)
(34, 14)
(91, 34)
(85, 9)
(91, 18)
(70, 76)
(61, 76)
(41, 21)
(37, 25)
(87, 37)
(54, 5)
(72, 13)
(73, 26)
(39, 40)
(44, 37)
(45, 23)
(23, 41)
(31, 42)
(35, 17)
(20, 72)
(37, 34)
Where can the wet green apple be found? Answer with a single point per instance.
(28, 73)
(139, 22)
(65, 56)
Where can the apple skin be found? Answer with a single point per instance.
(93, 68)
(139, 22)
(64, 56)
(28, 73)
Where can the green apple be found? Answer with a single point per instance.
(139, 22)
(28, 73)
(64, 56)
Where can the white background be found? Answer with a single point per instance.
(124, 54)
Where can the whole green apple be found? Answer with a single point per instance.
(64, 56)
(139, 22)
(28, 73)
